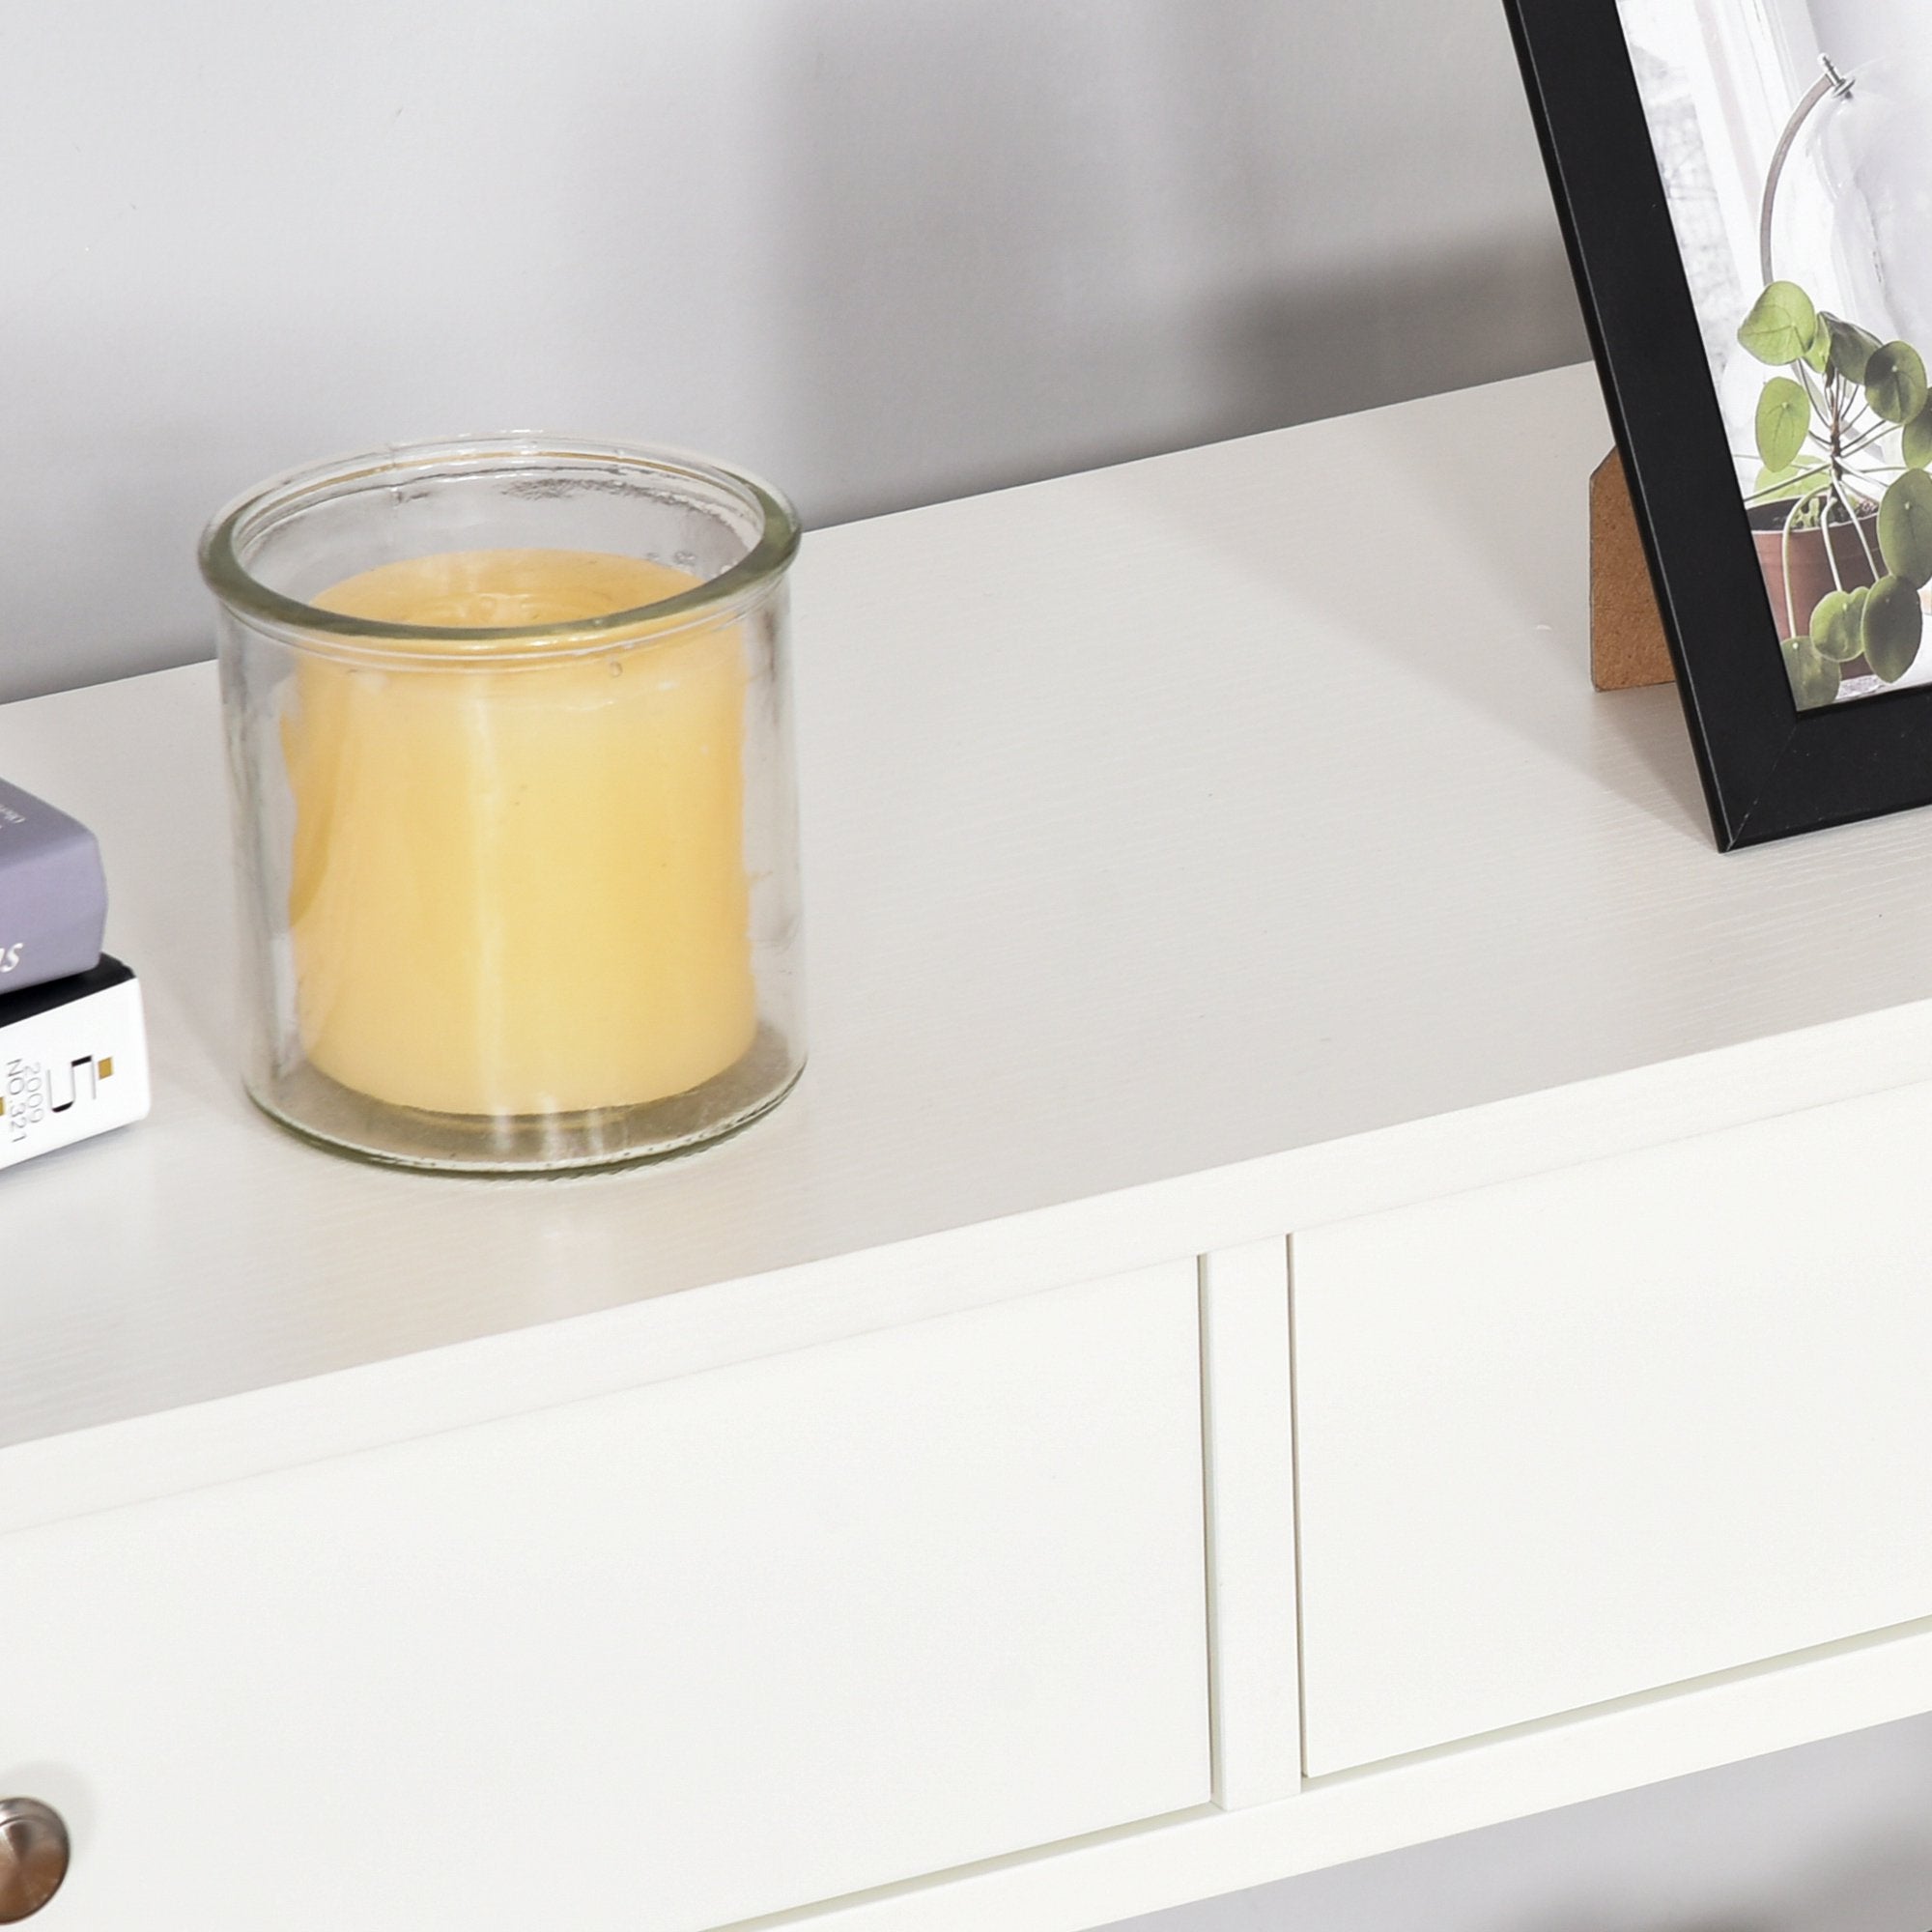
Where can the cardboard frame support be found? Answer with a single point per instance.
(1627, 645)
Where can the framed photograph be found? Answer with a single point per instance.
(1745, 188)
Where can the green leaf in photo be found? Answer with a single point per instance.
(1799, 479)
(1781, 325)
(1835, 625)
(1814, 677)
(1783, 421)
(1891, 628)
(1904, 528)
(1896, 381)
(1916, 438)
(1852, 348)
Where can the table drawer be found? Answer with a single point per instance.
(1614, 1428)
(666, 1659)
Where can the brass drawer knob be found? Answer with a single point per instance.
(33, 1857)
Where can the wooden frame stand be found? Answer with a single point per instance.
(1627, 646)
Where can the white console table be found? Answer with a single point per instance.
(1338, 1275)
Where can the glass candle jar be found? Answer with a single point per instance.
(510, 740)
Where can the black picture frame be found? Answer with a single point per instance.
(1768, 769)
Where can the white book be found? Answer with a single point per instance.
(73, 1060)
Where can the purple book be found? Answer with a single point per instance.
(53, 894)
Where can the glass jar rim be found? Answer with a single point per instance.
(335, 633)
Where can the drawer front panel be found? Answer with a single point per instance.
(667, 1659)
(1606, 1430)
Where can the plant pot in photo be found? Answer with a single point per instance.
(1812, 576)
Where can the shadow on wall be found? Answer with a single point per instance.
(1412, 328)
(887, 253)
(1021, 240)
(1829, 1835)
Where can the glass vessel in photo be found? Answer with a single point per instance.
(1792, 144)
(510, 745)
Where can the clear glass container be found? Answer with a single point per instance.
(509, 737)
(1852, 221)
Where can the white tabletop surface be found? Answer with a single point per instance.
(1221, 809)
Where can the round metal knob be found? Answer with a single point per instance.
(33, 1857)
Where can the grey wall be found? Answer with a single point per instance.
(1836, 1837)
(885, 250)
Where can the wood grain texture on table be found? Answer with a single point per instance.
(1194, 838)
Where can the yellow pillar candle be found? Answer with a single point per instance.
(520, 888)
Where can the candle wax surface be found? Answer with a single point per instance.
(520, 888)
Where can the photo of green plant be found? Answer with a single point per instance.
(1841, 508)
(1794, 140)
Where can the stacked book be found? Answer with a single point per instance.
(74, 1054)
